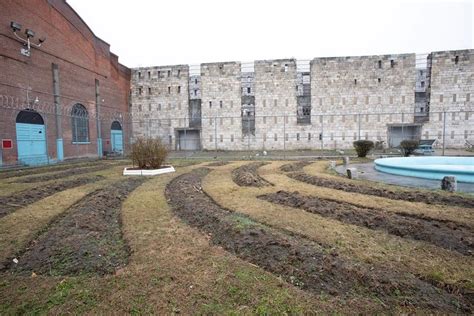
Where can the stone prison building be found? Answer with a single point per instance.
(326, 104)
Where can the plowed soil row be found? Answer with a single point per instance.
(247, 175)
(294, 166)
(445, 234)
(86, 239)
(21, 199)
(64, 174)
(218, 163)
(300, 261)
(411, 196)
(40, 170)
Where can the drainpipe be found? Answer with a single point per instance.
(97, 108)
(58, 114)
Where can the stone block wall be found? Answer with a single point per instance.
(160, 101)
(376, 87)
(452, 91)
(221, 106)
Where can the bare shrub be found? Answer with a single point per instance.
(148, 153)
(363, 147)
(408, 146)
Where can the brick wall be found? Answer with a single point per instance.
(81, 57)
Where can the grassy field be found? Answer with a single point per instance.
(216, 239)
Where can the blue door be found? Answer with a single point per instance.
(116, 137)
(31, 138)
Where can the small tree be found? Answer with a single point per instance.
(408, 146)
(363, 147)
(148, 153)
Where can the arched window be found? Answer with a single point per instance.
(116, 126)
(29, 117)
(80, 124)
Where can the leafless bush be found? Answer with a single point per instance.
(148, 153)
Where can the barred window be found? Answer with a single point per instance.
(80, 124)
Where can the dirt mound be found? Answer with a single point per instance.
(247, 175)
(445, 234)
(217, 163)
(297, 260)
(63, 174)
(86, 239)
(294, 166)
(23, 198)
(411, 196)
(47, 169)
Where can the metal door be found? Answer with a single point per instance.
(31, 143)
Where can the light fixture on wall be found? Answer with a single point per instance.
(16, 27)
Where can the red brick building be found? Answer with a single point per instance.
(61, 101)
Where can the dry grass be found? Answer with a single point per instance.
(172, 269)
(17, 228)
(356, 242)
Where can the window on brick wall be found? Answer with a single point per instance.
(179, 73)
(149, 107)
(297, 136)
(452, 134)
(454, 97)
(195, 81)
(264, 137)
(80, 124)
(456, 60)
(149, 74)
(320, 101)
(232, 137)
(221, 138)
(379, 80)
(392, 63)
(249, 90)
(220, 104)
(139, 108)
(210, 104)
(468, 97)
(380, 64)
(465, 134)
(355, 81)
(169, 90)
(309, 136)
(275, 137)
(149, 91)
(179, 89)
(139, 75)
(159, 107)
(286, 67)
(195, 92)
(441, 98)
(159, 74)
(264, 119)
(367, 100)
(466, 116)
(391, 100)
(169, 73)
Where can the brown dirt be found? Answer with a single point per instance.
(294, 166)
(300, 261)
(247, 175)
(23, 198)
(86, 239)
(217, 163)
(411, 196)
(64, 174)
(445, 234)
(52, 168)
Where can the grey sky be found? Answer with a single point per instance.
(146, 33)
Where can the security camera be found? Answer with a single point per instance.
(15, 26)
(29, 33)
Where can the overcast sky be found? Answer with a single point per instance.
(148, 33)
